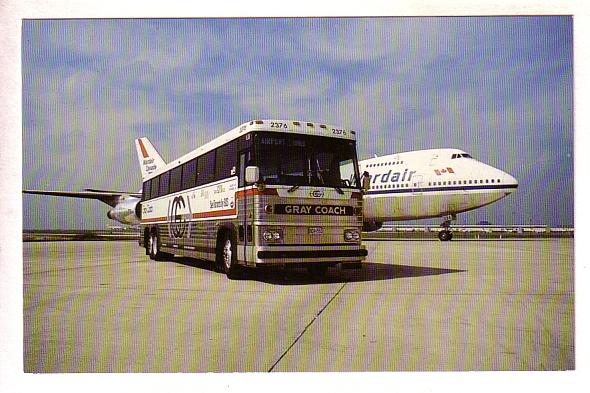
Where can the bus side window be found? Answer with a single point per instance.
(164, 183)
(206, 168)
(189, 174)
(146, 190)
(225, 160)
(154, 186)
(176, 179)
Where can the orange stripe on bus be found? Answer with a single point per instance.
(143, 150)
(155, 219)
(255, 191)
(217, 213)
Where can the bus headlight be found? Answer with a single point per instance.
(351, 235)
(272, 235)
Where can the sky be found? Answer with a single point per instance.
(500, 88)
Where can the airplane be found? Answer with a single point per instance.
(403, 186)
(428, 184)
(124, 205)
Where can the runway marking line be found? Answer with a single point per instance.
(306, 327)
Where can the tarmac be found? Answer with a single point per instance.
(105, 307)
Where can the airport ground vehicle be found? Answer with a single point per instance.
(266, 193)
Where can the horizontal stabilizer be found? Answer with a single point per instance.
(110, 192)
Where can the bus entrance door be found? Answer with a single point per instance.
(246, 249)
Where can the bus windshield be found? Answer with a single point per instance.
(306, 160)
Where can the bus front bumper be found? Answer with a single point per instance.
(274, 256)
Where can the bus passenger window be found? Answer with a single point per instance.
(226, 160)
(164, 183)
(206, 168)
(189, 174)
(146, 190)
(176, 179)
(154, 186)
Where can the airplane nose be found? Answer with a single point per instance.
(510, 181)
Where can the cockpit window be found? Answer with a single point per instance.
(462, 155)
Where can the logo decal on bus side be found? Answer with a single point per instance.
(178, 210)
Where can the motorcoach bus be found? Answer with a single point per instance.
(267, 193)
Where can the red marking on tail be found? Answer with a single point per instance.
(143, 150)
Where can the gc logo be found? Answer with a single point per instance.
(177, 210)
(317, 193)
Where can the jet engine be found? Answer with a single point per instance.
(127, 212)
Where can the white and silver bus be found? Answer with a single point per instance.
(267, 193)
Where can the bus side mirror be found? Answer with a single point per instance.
(252, 174)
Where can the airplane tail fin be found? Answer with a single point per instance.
(149, 159)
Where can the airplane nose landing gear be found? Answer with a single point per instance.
(446, 234)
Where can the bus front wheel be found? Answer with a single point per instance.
(226, 255)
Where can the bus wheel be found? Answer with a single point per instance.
(155, 252)
(147, 241)
(153, 246)
(226, 256)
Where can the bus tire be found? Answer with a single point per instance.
(153, 246)
(155, 253)
(227, 255)
(147, 241)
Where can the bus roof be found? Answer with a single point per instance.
(279, 126)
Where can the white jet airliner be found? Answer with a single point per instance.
(429, 184)
(404, 186)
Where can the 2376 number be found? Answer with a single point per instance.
(337, 131)
(277, 125)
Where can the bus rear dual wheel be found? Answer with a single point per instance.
(154, 248)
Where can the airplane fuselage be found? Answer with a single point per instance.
(430, 183)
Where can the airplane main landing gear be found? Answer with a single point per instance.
(446, 234)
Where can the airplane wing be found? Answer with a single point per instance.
(111, 198)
